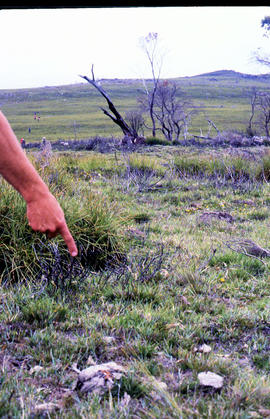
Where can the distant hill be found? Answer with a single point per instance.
(233, 74)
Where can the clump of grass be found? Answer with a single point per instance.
(235, 168)
(263, 170)
(43, 311)
(145, 164)
(91, 162)
(157, 141)
(238, 168)
(192, 165)
(95, 227)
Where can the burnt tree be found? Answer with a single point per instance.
(113, 114)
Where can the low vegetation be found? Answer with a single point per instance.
(162, 286)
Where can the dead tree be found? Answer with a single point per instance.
(150, 45)
(263, 107)
(253, 101)
(170, 111)
(114, 114)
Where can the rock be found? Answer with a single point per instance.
(45, 407)
(258, 140)
(37, 368)
(248, 247)
(99, 378)
(204, 348)
(109, 339)
(210, 379)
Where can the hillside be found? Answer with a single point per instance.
(235, 74)
(73, 111)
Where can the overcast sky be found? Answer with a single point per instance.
(53, 46)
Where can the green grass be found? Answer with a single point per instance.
(169, 295)
(73, 111)
(93, 223)
(154, 279)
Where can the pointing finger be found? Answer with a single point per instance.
(65, 233)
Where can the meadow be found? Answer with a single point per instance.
(172, 277)
(73, 111)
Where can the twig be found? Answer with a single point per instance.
(205, 263)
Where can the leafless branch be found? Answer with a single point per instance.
(117, 118)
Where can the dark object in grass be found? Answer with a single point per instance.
(248, 248)
(141, 218)
(136, 268)
(60, 270)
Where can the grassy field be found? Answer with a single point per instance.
(179, 217)
(73, 111)
(172, 277)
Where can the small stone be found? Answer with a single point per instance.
(90, 361)
(109, 339)
(210, 379)
(37, 368)
(205, 348)
(46, 407)
(99, 378)
(164, 273)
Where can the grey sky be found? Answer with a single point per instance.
(53, 46)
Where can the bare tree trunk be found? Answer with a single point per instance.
(115, 115)
(150, 45)
(253, 105)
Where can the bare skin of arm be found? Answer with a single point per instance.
(43, 211)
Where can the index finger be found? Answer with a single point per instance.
(65, 233)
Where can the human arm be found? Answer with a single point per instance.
(43, 211)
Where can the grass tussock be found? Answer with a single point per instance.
(96, 227)
(144, 164)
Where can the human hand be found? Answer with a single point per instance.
(46, 215)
